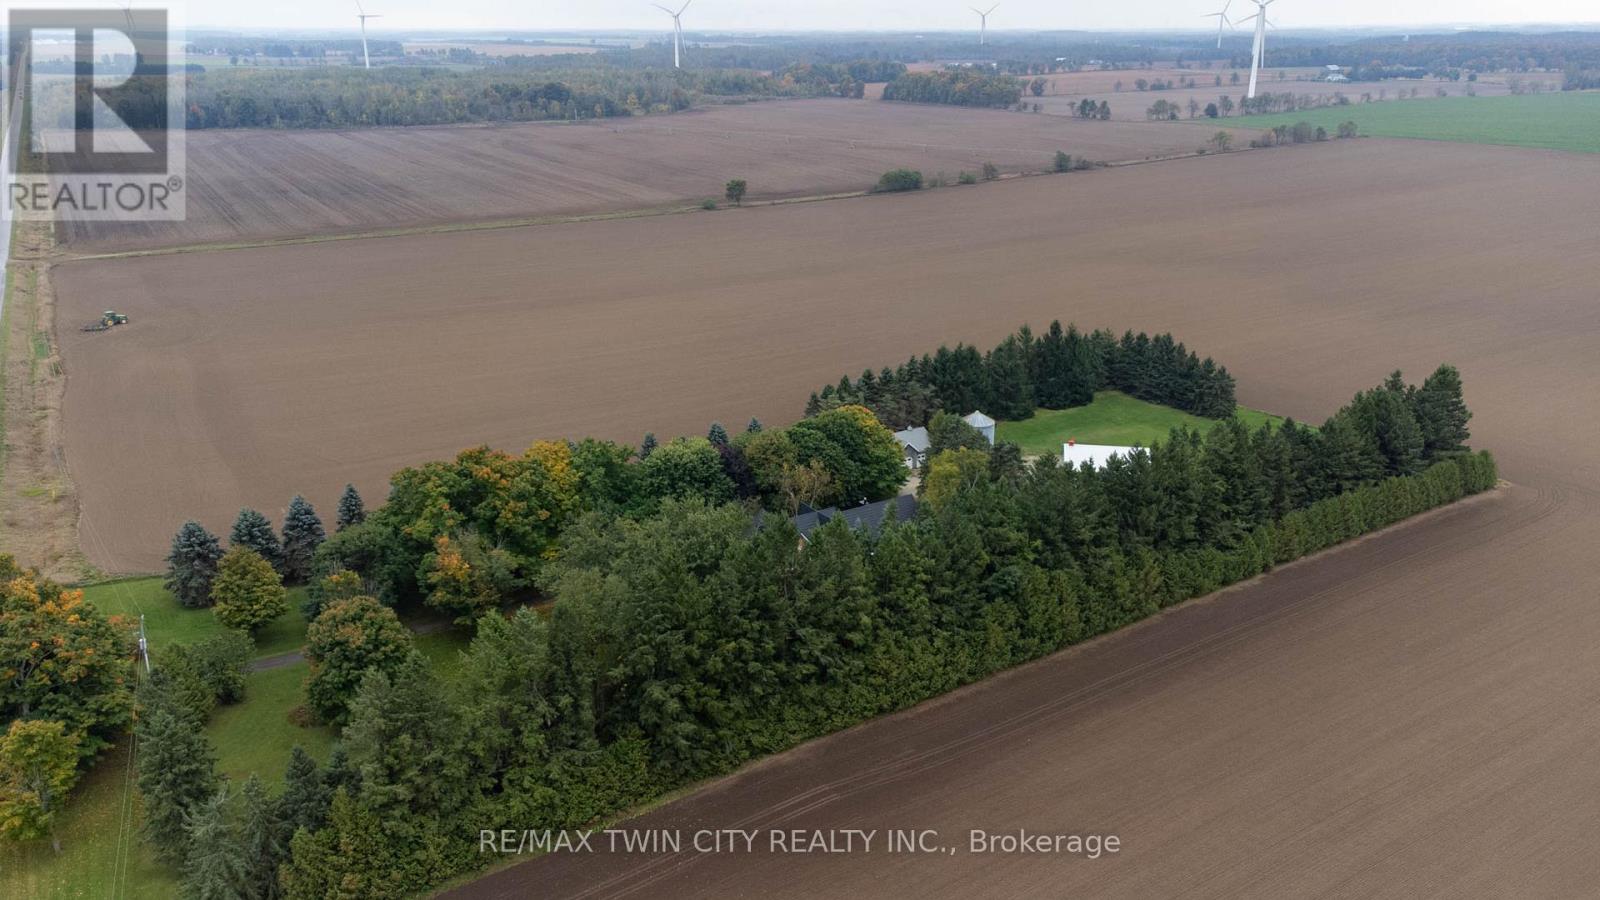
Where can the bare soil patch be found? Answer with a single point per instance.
(38, 506)
(251, 375)
(253, 185)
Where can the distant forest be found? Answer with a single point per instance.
(342, 97)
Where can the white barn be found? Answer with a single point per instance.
(1075, 454)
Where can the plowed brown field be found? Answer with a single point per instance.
(1410, 716)
(252, 185)
(250, 375)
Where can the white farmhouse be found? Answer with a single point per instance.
(1075, 454)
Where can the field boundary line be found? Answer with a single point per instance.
(535, 221)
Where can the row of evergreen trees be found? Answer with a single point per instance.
(195, 560)
(1056, 370)
(687, 642)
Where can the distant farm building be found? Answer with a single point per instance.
(869, 518)
(1075, 454)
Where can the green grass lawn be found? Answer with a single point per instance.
(1568, 120)
(256, 735)
(443, 650)
(99, 857)
(101, 853)
(165, 622)
(1113, 418)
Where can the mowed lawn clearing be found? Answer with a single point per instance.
(102, 853)
(256, 734)
(1113, 418)
(166, 622)
(1568, 120)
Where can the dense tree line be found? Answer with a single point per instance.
(955, 87)
(689, 640)
(1576, 79)
(348, 97)
(1056, 370)
(844, 79)
(1478, 51)
(466, 535)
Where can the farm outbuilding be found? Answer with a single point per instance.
(1097, 455)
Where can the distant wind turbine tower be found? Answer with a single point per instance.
(1258, 48)
(1222, 21)
(677, 30)
(363, 15)
(983, 21)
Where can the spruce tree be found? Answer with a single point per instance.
(192, 565)
(754, 427)
(214, 867)
(302, 534)
(647, 446)
(717, 435)
(1442, 413)
(351, 510)
(252, 530)
(306, 793)
(263, 840)
(176, 775)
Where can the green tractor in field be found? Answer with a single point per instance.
(110, 319)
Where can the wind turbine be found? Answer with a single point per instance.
(677, 30)
(983, 20)
(1222, 21)
(363, 15)
(1259, 46)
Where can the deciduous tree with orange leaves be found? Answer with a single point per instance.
(63, 659)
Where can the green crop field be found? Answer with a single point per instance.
(1567, 120)
(1113, 418)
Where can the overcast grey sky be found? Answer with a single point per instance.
(939, 15)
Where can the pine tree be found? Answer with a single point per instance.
(176, 775)
(647, 446)
(302, 534)
(215, 866)
(1442, 413)
(263, 840)
(306, 793)
(351, 510)
(192, 565)
(754, 427)
(717, 435)
(252, 530)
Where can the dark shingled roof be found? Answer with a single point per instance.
(871, 517)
